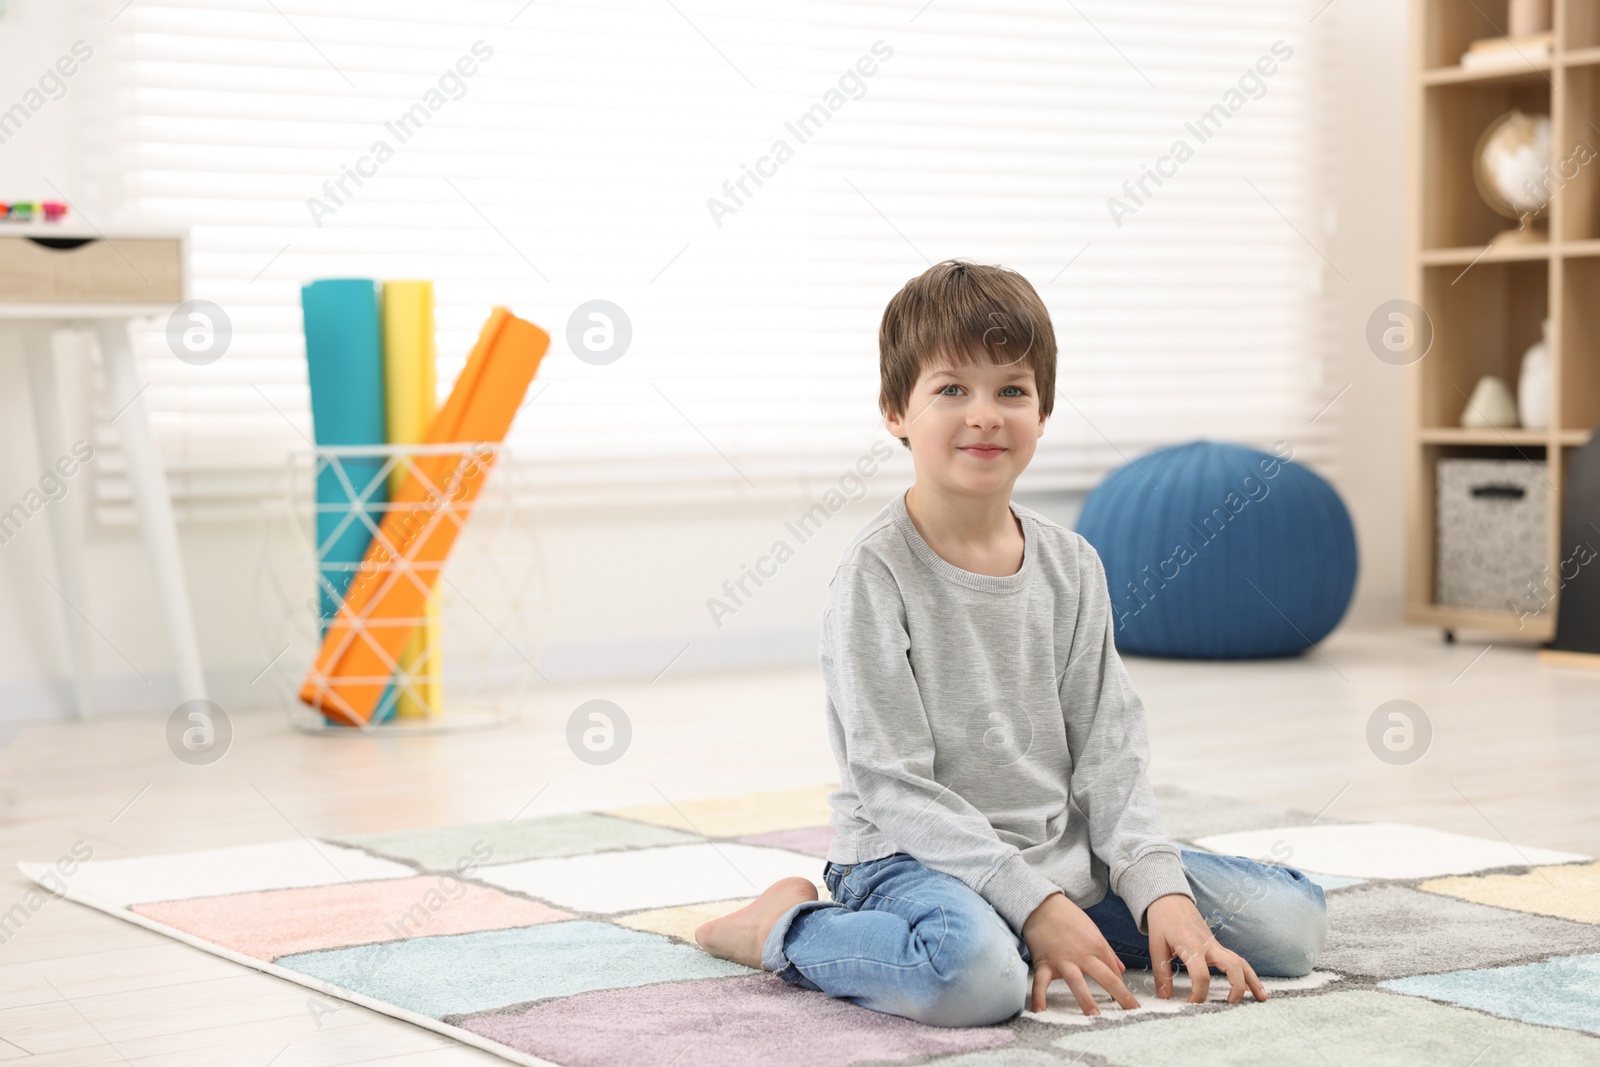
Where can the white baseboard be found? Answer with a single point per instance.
(728, 650)
(122, 693)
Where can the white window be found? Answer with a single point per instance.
(585, 158)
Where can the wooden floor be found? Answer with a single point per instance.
(1514, 753)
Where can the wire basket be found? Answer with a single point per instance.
(468, 659)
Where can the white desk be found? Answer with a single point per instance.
(37, 318)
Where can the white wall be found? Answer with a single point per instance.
(627, 588)
(33, 33)
(1366, 40)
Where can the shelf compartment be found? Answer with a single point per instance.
(1483, 322)
(1577, 184)
(1533, 624)
(1583, 25)
(1451, 25)
(1454, 118)
(1580, 345)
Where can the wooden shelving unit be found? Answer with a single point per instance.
(1487, 306)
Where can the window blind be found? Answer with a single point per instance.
(628, 150)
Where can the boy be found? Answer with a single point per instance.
(994, 812)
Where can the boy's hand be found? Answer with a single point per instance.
(1065, 943)
(1176, 929)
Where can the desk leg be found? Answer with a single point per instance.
(154, 505)
(66, 516)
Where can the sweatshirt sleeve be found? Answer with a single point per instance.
(889, 750)
(1110, 753)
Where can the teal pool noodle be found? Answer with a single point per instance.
(344, 360)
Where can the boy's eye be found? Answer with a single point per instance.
(1011, 391)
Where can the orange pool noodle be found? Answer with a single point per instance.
(387, 598)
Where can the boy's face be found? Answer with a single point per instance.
(953, 412)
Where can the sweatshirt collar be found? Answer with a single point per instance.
(939, 565)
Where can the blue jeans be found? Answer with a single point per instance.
(901, 938)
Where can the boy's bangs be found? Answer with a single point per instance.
(992, 335)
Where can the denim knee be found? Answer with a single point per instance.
(1289, 943)
(1274, 916)
(972, 981)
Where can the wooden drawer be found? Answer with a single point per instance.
(116, 270)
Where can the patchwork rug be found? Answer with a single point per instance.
(569, 940)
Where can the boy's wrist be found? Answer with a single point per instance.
(1168, 901)
(1152, 876)
(1015, 889)
(1040, 915)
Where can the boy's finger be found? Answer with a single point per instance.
(1161, 964)
(1112, 984)
(1080, 990)
(1257, 990)
(1199, 976)
(1234, 969)
(1041, 984)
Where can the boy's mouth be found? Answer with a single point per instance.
(983, 451)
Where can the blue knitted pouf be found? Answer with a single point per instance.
(1218, 551)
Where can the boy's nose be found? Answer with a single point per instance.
(983, 417)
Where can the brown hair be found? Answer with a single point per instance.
(955, 313)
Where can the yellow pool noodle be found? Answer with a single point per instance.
(411, 395)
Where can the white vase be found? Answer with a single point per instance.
(1490, 406)
(1533, 386)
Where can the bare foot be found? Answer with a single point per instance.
(740, 936)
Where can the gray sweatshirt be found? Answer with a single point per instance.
(986, 726)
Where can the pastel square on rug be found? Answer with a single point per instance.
(569, 940)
